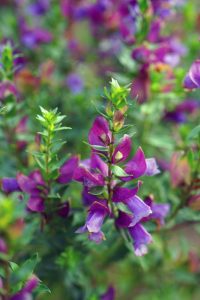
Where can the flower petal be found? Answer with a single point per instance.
(122, 150)
(36, 204)
(99, 133)
(138, 208)
(136, 167)
(10, 185)
(67, 170)
(152, 167)
(141, 238)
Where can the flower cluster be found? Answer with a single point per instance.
(110, 180)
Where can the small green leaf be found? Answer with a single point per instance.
(118, 171)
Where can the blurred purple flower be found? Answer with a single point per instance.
(192, 79)
(67, 170)
(75, 83)
(97, 213)
(109, 294)
(40, 7)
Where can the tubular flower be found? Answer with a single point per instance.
(106, 185)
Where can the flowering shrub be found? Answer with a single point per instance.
(101, 209)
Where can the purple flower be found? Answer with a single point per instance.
(152, 167)
(93, 173)
(122, 150)
(141, 238)
(67, 170)
(159, 211)
(3, 246)
(139, 209)
(97, 213)
(10, 185)
(39, 8)
(137, 166)
(7, 88)
(192, 79)
(32, 37)
(75, 83)
(33, 185)
(109, 294)
(100, 134)
(182, 110)
(63, 209)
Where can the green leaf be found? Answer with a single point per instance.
(118, 171)
(194, 133)
(98, 190)
(42, 288)
(23, 272)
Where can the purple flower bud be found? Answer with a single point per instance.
(63, 210)
(100, 133)
(3, 246)
(141, 238)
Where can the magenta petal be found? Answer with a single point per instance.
(88, 198)
(141, 238)
(122, 150)
(3, 246)
(36, 204)
(188, 83)
(99, 133)
(67, 170)
(26, 184)
(97, 163)
(136, 167)
(97, 237)
(194, 72)
(160, 211)
(124, 219)
(122, 194)
(63, 209)
(97, 213)
(10, 185)
(31, 284)
(152, 167)
(138, 208)
(83, 175)
(109, 294)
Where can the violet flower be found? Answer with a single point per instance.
(75, 83)
(96, 172)
(67, 170)
(192, 79)
(109, 294)
(97, 213)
